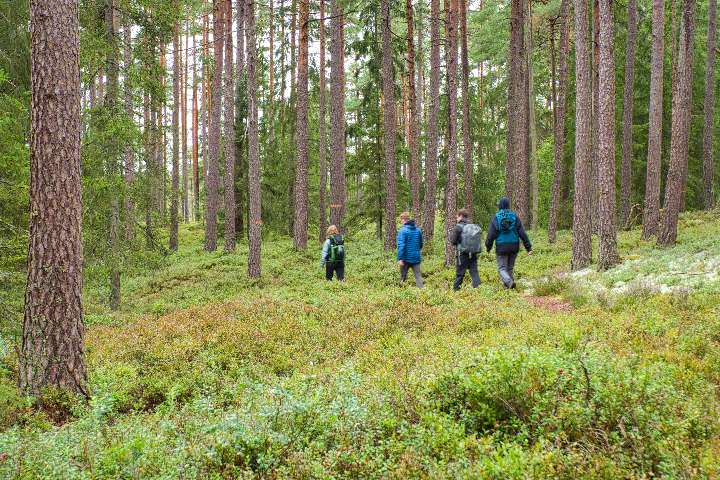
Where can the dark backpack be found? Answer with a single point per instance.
(337, 249)
(507, 227)
(470, 239)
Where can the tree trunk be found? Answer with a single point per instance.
(651, 215)
(185, 169)
(241, 115)
(451, 185)
(177, 107)
(206, 97)
(211, 182)
(582, 227)
(255, 223)
(321, 128)
(300, 236)
(129, 174)
(681, 106)
(414, 120)
(628, 93)
(560, 107)
(52, 352)
(419, 95)
(338, 191)
(594, 197)
(608, 255)
(517, 98)
(467, 143)
(709, 109)
(389, 126)
(431, 155)
(532, 192)
(229, 95)
(195, 146)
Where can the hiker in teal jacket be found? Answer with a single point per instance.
(506, 231)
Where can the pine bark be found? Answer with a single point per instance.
(628, 94)
(451, 185)
(195, 138)
(129, 173)
(212, 180)
(177, 100)
(414, 116)
(608, 255)
(229, 128)
(338, 191)
(183, 128)
(389, 124)
(709, 109)
(115, 151)
(560, 109)
(431, 155)
(582, 227)
(517, 122)
(681, 111)
(651, 215)
(300, 236)
(52, 353)
(467, 142)
(321, 129)
(255, 223)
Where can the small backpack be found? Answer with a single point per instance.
(507, 227)
(471, 239)
(337, 249)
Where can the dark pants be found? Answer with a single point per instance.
(337, 268)
(416, 271)
(506, 266)
(464, 263)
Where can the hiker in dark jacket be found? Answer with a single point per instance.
(464, 260)
(409, 246)
(506, 231)
(333, 254)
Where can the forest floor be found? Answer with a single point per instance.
(204, 373)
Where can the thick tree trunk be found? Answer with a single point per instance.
(389, 120)
(229, 127)
(532, 192)
(177, 107)
(241, 116)
(651, 215)
(608, 255)
(467, 142)
(628, 93)
(255, 221)
(129, 173)
(414, 116)
(321, 129)
(681, 106)
(211, 182)
(300, 236)
(52, 352)
(595, 117)
(206, 97)
(560, 108)
(451, 185)
(517, 98)
(431, 155)
(582, 227)
(338, 191)
(709, 109)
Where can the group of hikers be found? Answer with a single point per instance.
(505, 232)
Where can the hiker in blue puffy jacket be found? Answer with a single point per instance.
(409, 246)
(506, 231)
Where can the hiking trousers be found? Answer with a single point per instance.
(405, 267)
(506, 267)
(465, 262)
(336, 268)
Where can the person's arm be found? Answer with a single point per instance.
(324, 254)
(422, 242)
(492, 235)
(523, 236)
(401, 245)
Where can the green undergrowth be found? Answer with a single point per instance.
(204, 373)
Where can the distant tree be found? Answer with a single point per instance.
(300, 236)
(451, 184)
(129, 173)
(582, 233)
(628, 94)
(52, 353)
(414, 112)
(467, 142)
(560, 106)
(229, 128)
(608, 255)
(389, 119)
(255, 224)
(321, 128)
(177, 108)
(651, 215)
(709, 108)
(184, 130)
(338, 190)
(681, 110)
(195, 136)
(431, 154)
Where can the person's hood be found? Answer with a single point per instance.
(504, 203)
(410, 224)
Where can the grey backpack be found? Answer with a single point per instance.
(471, 239)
